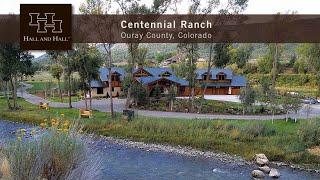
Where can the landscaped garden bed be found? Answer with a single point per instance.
(203, 106)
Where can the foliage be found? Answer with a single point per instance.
(156, 92)
(58, 153)
(208, 107)
(160, 57)
(141, 56)
(88, 62)
(221, 54)
(250, 68)
(265, 64)
(139, 94)
(172, 93)
(247, 97)
(290, 80)
(300, 66)
(56, 71)
(291, 103)
(310, 133)
(14, 63)
(241, 55)
(180, 69)
(311, 54)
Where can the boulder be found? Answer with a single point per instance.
(261, 159)
(265, 169)
(274, 173)
(257, 174)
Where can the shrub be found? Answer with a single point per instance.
(310, 133)
(56, 154)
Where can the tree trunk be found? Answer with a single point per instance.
(318, 83)
(208, 70)
(14, 92)
(110, 93)
(272, 116)
(60, 93)
(7, 95)
(69, 90)
(192, 98)
(90, 97)
(110, 82)
(287, 116)
(275, 66)
(85, 99)
(132, 49)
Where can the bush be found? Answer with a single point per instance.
(310, 133)
(56, 154)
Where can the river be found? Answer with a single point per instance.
(123, 162)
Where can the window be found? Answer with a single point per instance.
(112, 89)
(166, 74)
(221, 76)
(205, 76)
(115, 78)
(99, 90)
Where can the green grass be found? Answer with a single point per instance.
(279, 141)
(304, 84)
(64, 99)
(37, 86)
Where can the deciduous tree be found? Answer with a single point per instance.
(13, 63)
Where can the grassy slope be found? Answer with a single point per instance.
(279, 141)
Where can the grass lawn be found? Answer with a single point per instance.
(36, 86)
(64, 99)
(280, 141)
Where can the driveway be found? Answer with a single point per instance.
(103, 105)
(229, 98)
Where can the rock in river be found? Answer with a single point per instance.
(257, 174)
(261, 159)
(265, 169)
(274, 173)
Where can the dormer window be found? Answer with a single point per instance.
(204, 75)
(141, 73)
(221, 76)
(166, 74)
(115, 77)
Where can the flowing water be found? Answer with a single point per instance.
(122, 162)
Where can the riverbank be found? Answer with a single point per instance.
(124, 159)
(279, 141)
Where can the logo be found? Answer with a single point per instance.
(44, 23)
(45, 26)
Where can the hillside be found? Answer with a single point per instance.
(120, 51)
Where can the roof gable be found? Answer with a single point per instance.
(104, 73)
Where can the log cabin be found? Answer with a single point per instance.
(221, 81)
(161, 77)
